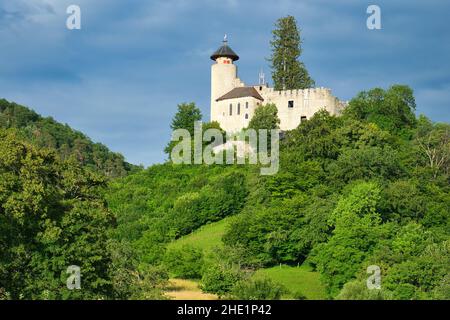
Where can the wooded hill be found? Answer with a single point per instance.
(368, 188)
(69, 143)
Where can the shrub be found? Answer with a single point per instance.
(257, 289)
(219, 280)
(186, 262)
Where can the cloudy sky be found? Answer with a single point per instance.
(120, 78)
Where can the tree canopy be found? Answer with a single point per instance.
(288, 72)
(265, 117)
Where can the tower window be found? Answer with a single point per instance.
(260, 88)
(231, 109)
(302, 118)
(246, 116)
(290, 103)
(239, 108)
(246, 105)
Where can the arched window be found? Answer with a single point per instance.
(246, 105)
(231, 109)
(239, 108)
(246, 116)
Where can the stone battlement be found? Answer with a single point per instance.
(298, 92)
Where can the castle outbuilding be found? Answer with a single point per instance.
(233, 103)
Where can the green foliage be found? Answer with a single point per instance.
(433, 142)
(300, 282)
(131, 279)
(186, 262)
(282, 233)
(185, 118)
(207, 237)
(165, 202)
(288, 72)
(315, 138)
(423, 276)
(52, 216)
(366, 163)
(257, 289)
(356, 231)
(357, 290)
(68, 143)
(368, 188)
(219, 280)
(265, 117)
(213, 202)
(391, 109)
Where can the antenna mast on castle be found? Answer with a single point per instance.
(262, 77)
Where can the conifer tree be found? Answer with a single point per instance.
(288, 72)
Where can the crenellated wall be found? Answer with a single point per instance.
(305, 102)
(292, 105)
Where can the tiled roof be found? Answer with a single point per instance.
(241, 92)
(225, 51)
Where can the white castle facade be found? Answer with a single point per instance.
(233, 103)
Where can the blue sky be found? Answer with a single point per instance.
(120, 78)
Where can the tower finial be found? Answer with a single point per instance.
(225, 38)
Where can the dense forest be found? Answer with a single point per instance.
(369, 187)
(69, 143)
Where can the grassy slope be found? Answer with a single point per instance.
(301, 279)
(297, 280)
(206, 237)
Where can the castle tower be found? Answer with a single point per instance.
(223, 74)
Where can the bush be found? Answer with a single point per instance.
(219, 280)
(299, 296)
(257, 289)
(357, 290)
(186, 262)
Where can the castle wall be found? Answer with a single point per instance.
(305, 102)
(236, 121)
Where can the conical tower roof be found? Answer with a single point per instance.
(225, 51)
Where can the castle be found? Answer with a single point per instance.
(233, 103)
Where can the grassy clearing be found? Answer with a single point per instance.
(181, 289)
(296, 279)
(205, 238)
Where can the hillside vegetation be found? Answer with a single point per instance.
(296, 279)
(370, 187)
(206, 238)
(301, 282)
(69, 143)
